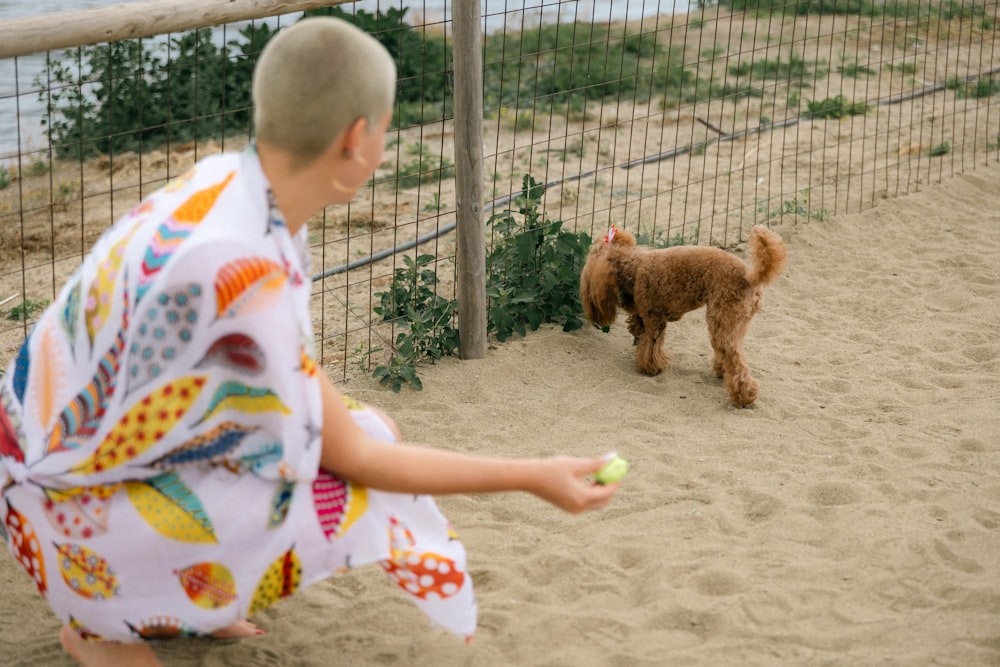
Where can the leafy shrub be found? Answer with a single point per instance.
(26, 309)
(533, 268)
(424, 319)
(124, 96)
(131, 95)
(532, 277)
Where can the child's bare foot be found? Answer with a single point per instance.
(238, 630)
(102, 654)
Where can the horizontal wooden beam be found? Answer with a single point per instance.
(63, 30)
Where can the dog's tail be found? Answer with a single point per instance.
(767, 256)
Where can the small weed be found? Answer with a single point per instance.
(834, 107)
(435, 204)
(902, 68)
(952, 10)
(575, 149)
(796, 68)
(424, 319)
(855, 71)
(657, 240)
(981, 88)
(941, 149)
(26, 310)
(791, 207)
(66, 192)
(994, 145)
(425, 167)
(516, 120)
(38, 167)
(6, 177)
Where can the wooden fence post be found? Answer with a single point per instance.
(467, 53)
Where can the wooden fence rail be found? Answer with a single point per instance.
(133, 20)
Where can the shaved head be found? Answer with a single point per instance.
(314, 79)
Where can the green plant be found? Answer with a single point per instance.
(940, 149)
(435, 204)
(533, 268)
(980, 88)
(855, 71)
(424, 167)
(37, 167)
(952, 10)
(791, 207)
(902, 68)
(834, 107)
(658, 240)
(126, 96)
(872, 8)
(423, 318)
(26, 309)
(797, 68)
(6, 177)
(562, 66)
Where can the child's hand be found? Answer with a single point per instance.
(568, 484)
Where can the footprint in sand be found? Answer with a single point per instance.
(956, 561)
(827, 494)
(718, 583)
(759, 507)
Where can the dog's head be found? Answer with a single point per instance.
(598, 281)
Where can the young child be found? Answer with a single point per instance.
(172, 460)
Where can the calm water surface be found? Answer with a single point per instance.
(21, 111)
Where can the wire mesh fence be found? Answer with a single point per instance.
(681, 124)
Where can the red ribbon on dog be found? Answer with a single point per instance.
(610, 236)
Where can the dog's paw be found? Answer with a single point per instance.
(742, 390)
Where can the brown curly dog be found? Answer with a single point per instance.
(659, 286)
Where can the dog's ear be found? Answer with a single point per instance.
(599, 288)
(623, 238)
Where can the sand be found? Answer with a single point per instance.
(851, 516)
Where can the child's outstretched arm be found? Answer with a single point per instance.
(350, 453)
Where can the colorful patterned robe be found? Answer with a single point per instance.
(160, 432)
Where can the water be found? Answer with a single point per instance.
(21, 111)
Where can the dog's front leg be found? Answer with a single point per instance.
(650, 357)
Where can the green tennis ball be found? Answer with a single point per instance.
(612, 471)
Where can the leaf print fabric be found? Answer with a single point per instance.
(160, 432)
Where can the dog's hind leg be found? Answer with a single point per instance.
(650, 357)
(727, 333)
